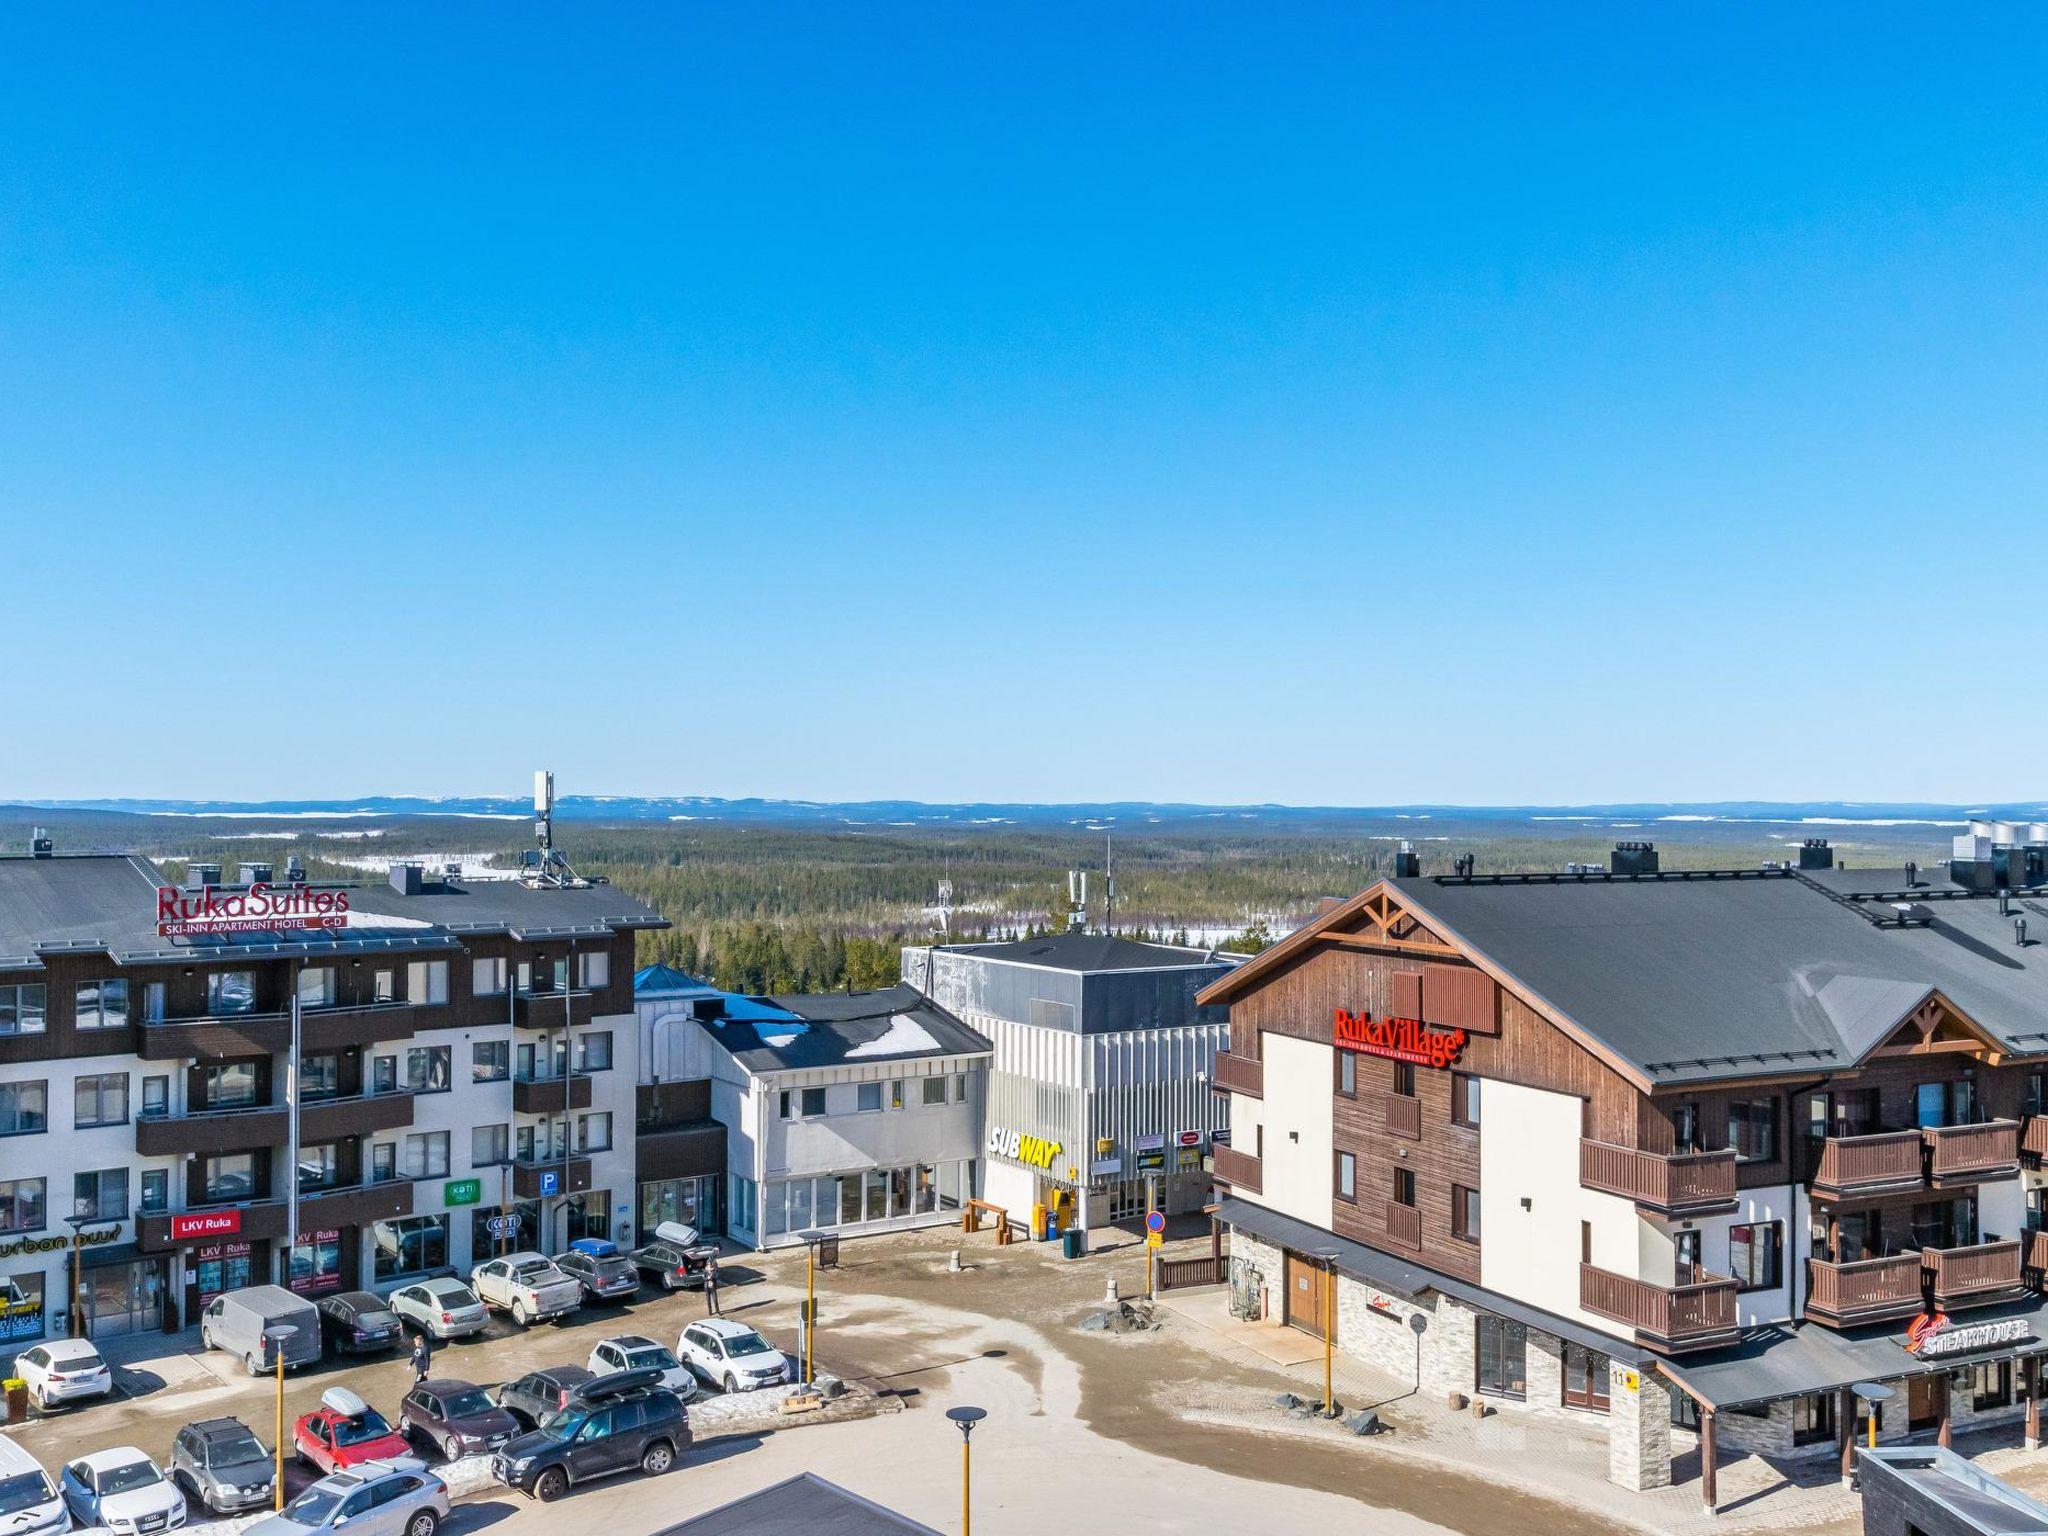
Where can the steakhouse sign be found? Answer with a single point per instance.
(1401, 1039)
(193, 914)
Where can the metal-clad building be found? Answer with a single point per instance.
(1100, 1079)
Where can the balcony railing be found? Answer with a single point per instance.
(2036, 1258)
(1856, 1165)
(1968, 1152)
(544, 1010)
(1404, 1225)
(1672, 1318)
(2034, 1137)
(330, 1027)
(1240, 1170)
(353, 1205)
(1403, 1115)
(1238, 1074)
(544, 1095)
(1971, 1276)
(1863, 1290)
(198, 1132)
(1686, 1183)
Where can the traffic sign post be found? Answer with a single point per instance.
(550, 1183)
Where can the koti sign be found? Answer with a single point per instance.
(1401, 1039)
(193, 914)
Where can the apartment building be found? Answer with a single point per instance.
(1681, 1153)
(465, 1080)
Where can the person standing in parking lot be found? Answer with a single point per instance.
(422, 1358)
(711, 1289)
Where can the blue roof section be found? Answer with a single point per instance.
(656, 979)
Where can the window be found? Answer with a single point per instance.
(867, 1097)
(1464, 1099)
(594, 1051)
(320, 1076)
(1753, 1127)
(385, 987)
(1464, 1213)
(1404, 1079)
(23, 1009)
(1347, 1074)
(426, 1155)
(934, 1091)
(896, 1093)
(319, 1168)
(594, 969)
(230, 1087)
(594, 1132)
(229, 1176)
(231, 992)
(100, 1100)
(101, 1195)
(103, 1004)
(156, 1097)
(1347, 1176)
(316, 987)
(383, 1162)
(409, 1246)
(156, 1189)
(426, 981)
(960, 1088)
(1756, 1256)
(1585, 1378)
(24, 1108)
(487, 977)
(426, 1069)
(1502, 1365)
(813, 1102)
(23, 1207)
(787, 1104)
(490, 1061)
(1991, 1385)
(1685, 1128)
(1404, 1186)
(489, 1145)
(384, 1074)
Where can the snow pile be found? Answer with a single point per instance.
(903, 1037)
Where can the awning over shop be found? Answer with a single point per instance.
(108, 1255)
(1388, 1273)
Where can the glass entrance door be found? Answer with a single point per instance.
(1503, 1365)
(124, 1298)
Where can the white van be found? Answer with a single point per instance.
(29, 1495)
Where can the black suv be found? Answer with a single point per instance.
(616, 1422)
(358, 1322)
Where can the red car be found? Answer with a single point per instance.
(345, 1431)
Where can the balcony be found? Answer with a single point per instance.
(1404, 1226)
(1239, 1170)
(544, 1010)
(543, 1095)
(268, 1220)
(362, 1115)
(1238, 1074)
(1403, 1115)
(1868, 1165)
(214, 1038)
(1673, 1318)
(1973, 1276)
(1959, 1154)
(360, 1024)
(2036, 1258)
(1680, 1184)
(528, 1175)
(212, 1130)
(1863, 1290)
(2034, 1138)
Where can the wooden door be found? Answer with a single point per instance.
(1307, 1296)
(1923, 1405)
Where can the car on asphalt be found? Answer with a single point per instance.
(613, 1424)
(123, 1490)
(359, 1323)
(29, 1501)
(732, 1355)
(528, 1286)
(345, 1431)
(255, 1322)
(63, 1371)
(457, 1418)
(540, 1395)
(674, 1257)
(378, 1498)
(604, 1276)
(637, 1352)
(220, 1464)
(443, 1309)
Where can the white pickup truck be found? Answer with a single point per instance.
(527, 1285)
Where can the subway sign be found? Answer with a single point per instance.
(182, 914)
(1032, 1151)
(1399, 1039)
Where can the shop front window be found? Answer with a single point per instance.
(1503, 1358)
(21, 1307)
(222, 1267)
(316, 1263)
(409, 1246)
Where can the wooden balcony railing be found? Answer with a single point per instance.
(1863, 1290)
(1403, 1115)
(1854, 1165)
(2034, 1137)
(1988, 1151)
(1688, 1183)
(1672, 1318)
(1238, 1169)
(1404, 1225)
(1238, 1074)
(2036, 1258)
(1980, 1273)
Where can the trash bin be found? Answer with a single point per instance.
(17, 1400)
(1073, 1242)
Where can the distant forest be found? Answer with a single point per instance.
(783, 908)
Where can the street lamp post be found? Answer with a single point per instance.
(274, 1336)
(811, 1240)
(1327, 1258)
(78, 1224)
(966, 1418)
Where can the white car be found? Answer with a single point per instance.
(29, 1501)
(442, 1309)
(637, 1352)
(66, 1371)
(124, 1491)
(732, 1356)
(528, 1286)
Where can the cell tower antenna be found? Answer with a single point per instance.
(945, 912)
(546, 865)
(1109, 882)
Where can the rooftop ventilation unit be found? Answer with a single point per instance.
(1815, 853)
(294, 870)
(1633, 859)
(408, 879)
(40, 846)
(200, 877)
(706, 1009)
(255, 872)
(1407, 863)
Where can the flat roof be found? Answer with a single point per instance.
(1088, 952)
(830, 1029)
(1983, 1503)
(804, 1505)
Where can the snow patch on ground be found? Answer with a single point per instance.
(903, 1036)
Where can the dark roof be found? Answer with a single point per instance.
(1091, 952)
(828, 1029)
(1690, 978)
(657, 978)
(804, 1505)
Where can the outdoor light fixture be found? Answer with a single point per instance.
(966, 1418)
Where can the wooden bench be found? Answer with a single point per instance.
(971, 1217)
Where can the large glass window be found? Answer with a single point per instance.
(316, 987)
(813, 1102)
(24, 1206)
(594, 1051)
(101, 1195)
(320, 1076)
(426, 981)
(849, 1199)
(23, 1009)
(596, 968)
(867, 1097)
(230, 1176)
(490, 1061)
(800, 1219)
(426, 1069)
(487, 977)
(933, 1091)
(1502, 1367)
(594, 1132)
(24, 1108)
(230, 1086)
(230, 992)
(489, 1145)
(426, 1155)
(156, 1190)
(409, 1246)
(103, 1004)
(1753, 1127)
(101, 1099)
(1464, 1098)
(319, 1167)
(877, 1182)
(1756, 1254)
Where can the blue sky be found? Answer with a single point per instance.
(1346, 404)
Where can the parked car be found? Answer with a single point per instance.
(611, 1424)
(636, 1352)
(29, 1500)
(456, 1418)
(123, 1490)
(444, 1309)
(675, 1257)
(237, 1322)
(63, 1371)
(604, 1273)
(527, 1285)
(731, 1355)
(378, 1498)
(221, 1464)
(359, 1323)
(541, 1394)
(345, 1431)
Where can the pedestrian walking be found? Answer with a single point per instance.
(422, 1358)
(711, 1289)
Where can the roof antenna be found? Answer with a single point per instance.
(1109, 882)
(546, 865)
(945, 913)
(1077, 901)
